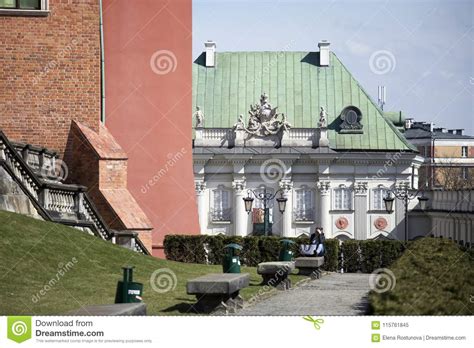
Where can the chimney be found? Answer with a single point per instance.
(210, 53)
(409, 123)
(323, 53)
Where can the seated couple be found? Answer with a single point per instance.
(316, 244)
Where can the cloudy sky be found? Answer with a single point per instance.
(422, 51)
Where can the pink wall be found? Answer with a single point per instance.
(148, 83)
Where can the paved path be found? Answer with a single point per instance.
(333, 294)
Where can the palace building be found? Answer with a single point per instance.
(296, 125)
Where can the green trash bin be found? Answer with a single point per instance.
(128, 291)
(286, 254)
(231, 262)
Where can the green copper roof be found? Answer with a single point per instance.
(296, 84)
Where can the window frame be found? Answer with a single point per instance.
(343, 188)
(18, 11)
(374, 201)
(309, 211)
(226, 211)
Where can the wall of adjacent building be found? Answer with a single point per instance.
(50, 73)
(148, 107)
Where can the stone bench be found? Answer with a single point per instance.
(309, 266)
(276, 273)
(218, 292)
(111, 309)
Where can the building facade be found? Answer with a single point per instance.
(299, 126)
(448, 153)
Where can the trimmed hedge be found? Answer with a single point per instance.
(368, 255)
(256, 249)
(365, 256)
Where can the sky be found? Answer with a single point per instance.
(421, 51)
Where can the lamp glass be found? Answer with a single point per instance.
(388, 200)
(282, 204)
(248, 203)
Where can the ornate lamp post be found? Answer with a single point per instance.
(266, 198)
(406, 197)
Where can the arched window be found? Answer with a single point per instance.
(221, 207)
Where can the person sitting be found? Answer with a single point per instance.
(321, 249)
(314, 248)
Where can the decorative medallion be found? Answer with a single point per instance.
(342, 223)
(380, 223)
(263, 120)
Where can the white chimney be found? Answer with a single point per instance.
(210, 53)
(323, 53)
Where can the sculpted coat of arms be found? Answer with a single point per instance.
(263, 119)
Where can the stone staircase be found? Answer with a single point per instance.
(36, 175)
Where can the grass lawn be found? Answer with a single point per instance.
(32, 253)
(433, 277)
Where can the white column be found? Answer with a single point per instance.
(200, 187)
(240, 215)
(325, 206)
(287, 186)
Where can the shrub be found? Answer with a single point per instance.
(370, 255)
(434, 278)
(331, 257)
(189, 249)
(350, 256)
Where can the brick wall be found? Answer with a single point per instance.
(50, 73)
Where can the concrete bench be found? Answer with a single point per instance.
(116, 309)
(276, 273)
(218, 292)
(309, 266)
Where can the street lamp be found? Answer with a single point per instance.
(406, 197)
(265, 197)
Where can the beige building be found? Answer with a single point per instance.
(448, 153)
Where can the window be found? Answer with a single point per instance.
(465, 173)
(379, 194)
(21, 4)
(343, 198)
(304, 205)
(464, 151)
(221, 210)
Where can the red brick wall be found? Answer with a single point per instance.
(50, 73)
(113, 174)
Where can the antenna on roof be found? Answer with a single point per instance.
(382, 96)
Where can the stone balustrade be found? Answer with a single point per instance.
(55, 201)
